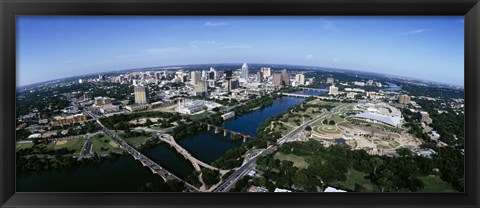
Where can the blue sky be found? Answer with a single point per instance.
(427, 47)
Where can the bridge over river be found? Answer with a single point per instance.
(219, 129)
(196, 163)
(147, 162)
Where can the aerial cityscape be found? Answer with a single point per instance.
(297, 104)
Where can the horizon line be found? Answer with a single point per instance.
(124, 70)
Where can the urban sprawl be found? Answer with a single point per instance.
(351, 133)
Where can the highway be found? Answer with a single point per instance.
(226, 185)
(87, 148)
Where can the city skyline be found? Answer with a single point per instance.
(428, 48)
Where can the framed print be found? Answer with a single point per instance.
(201, 104)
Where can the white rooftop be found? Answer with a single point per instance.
(391, 120)
(331, 189)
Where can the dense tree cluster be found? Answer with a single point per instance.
(433, 91)
(447, 124)
(131, 134)
(210, 177)
(328, 166)
(33, 163)
(232, 158)
(184, 130)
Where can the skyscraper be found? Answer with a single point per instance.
(228, 74)
(300, 79)
(194, 77)
(244, 71)
(266, 71)
(215, 73)
(259, 76)
(404, 99)
(285, 78)
(141, 95)
(277, 79)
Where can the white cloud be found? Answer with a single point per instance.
(214, 24)
(309, 56)
(413, 32)
(328, 25)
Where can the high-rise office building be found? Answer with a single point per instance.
(234, 84)
(404, 99)
(300, 79)
(244, 71)
(259, 76)
(277, 79)
(194, 77)
(266, 71)
(228, 74)
(330, 80)
(215, 73)
(141, 94)
(285, 77)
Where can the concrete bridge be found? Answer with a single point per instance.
(195, 162)
(313, 89)
(298, 95)
(225, 131)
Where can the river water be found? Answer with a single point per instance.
(126, 174)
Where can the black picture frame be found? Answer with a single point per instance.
(10, 8)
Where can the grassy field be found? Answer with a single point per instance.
(326, 129)
(336, 118)
(199, 116)
(298, 161)
(20, 146)
(104, 144)
(354, 177)
(435, 184)
(134, 141)
(70, 144)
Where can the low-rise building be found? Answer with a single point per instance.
(228, 115)
(136, 107)
(105, 109)
(257, 189)
(333, 90)
(424, 117)
(60, 120)
(281, 190)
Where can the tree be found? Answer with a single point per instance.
(332, 122)
(308, 128)
(148, 122)
(404, 152)
(385, 181)
(325, 121)
(375, 162)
